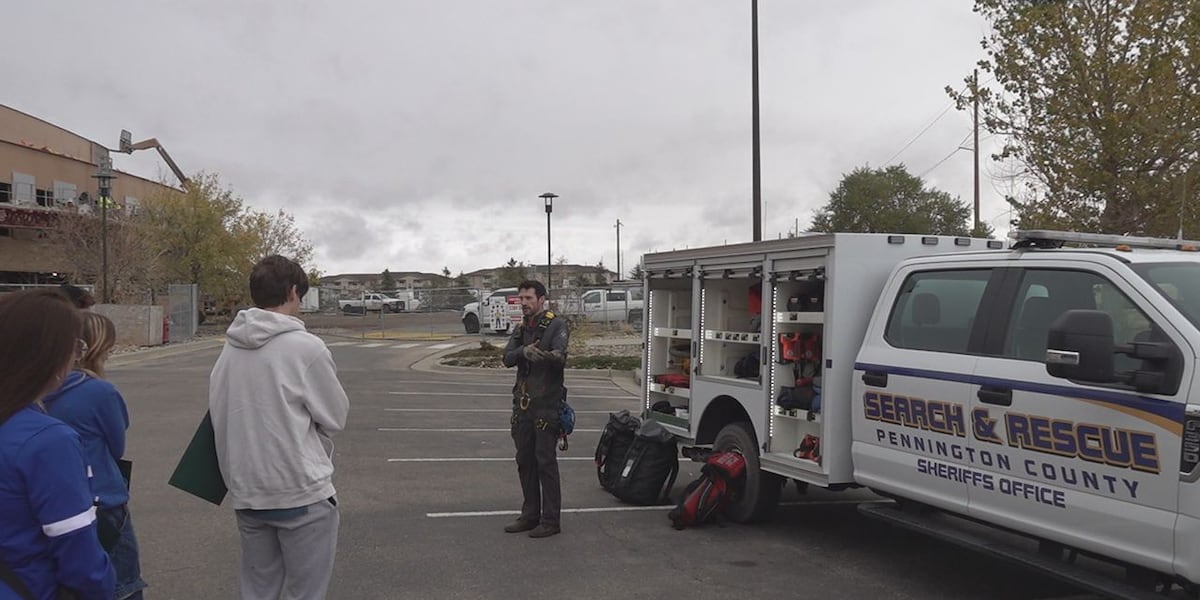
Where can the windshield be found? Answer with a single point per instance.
(1179, 282)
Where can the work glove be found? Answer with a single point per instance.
(533, 354)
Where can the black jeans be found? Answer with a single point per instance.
(537, 467)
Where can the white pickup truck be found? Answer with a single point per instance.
(372, 302)
(613, 305)
(1050, 389)
(495, 313)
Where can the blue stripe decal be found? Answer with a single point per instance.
(1163, 408)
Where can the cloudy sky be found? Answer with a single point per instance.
(417, 134)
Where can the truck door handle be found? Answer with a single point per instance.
(875, 379)
(994, 395)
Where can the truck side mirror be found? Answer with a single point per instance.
(1080, 346)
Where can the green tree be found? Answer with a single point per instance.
(1100, 104)
(386, 281)
(207, 236)
(636, 273)
(201, 238)
(512, 273)
(890, 201)
(601, 274)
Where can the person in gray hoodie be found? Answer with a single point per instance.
(275, 401)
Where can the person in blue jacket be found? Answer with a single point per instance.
(95, 409)
(48, 538)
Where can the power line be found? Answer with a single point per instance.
(932, 123)
(957, 147)
(919, 134)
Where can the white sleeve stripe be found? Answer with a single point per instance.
(68, 525)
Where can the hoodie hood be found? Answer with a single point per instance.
(72, 380)
(254, 327)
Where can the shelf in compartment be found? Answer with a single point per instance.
(754, 383)
(670, 390)
(736, 337)
(796, 414)
(666, 419)
(667, 332)
(790, 460)
(814, 318)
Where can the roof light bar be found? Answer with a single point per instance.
(1042, 238)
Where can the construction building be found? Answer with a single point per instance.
(47, 171)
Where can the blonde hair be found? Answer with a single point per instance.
(100, 335)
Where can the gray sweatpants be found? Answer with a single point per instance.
(289, 559)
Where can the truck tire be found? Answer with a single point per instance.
(759, 495)
(346, 308)
(471, 323)
(635, 319)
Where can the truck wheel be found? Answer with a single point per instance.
(347, 308)
(635, 320)
(385, 308)
(471, 323)
(760, 493)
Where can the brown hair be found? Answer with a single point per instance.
(39, 330)
(272, 279)
(100, 335)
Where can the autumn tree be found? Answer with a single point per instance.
(207, 236)
(1100, 105)
(890, 200)
(132, 255)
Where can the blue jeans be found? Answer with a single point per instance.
(124, 554)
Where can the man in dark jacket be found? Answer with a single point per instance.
(538, 348)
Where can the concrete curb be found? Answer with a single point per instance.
(154, 352)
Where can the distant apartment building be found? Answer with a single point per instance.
(565, 276)
(349, 284)
(46, 172)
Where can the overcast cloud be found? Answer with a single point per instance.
(413, 135)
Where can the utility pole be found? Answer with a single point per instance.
(757, 162)
(620, 274)
(975, 146)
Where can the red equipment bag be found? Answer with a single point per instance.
(704, 497)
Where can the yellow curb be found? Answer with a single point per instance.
(406, 335)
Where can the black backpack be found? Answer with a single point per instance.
(614, 443)
(648, 472)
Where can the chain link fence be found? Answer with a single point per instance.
(183, 303)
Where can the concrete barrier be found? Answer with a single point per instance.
(137, 325)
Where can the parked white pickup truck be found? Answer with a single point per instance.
(613, 305)
(372, 302)
(499, 311)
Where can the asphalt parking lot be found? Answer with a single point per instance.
(426, 483)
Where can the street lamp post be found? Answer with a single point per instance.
(104, 176)
(549, 198)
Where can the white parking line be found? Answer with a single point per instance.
(604, 509)
(402, 346)
(375, 345)
(508, 395)
(468, 430)
(506, 382)
(341, 343)
(483, 410)
(476, 459)
(443, 346)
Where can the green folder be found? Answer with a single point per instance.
(198, 472)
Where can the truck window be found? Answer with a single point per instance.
(591, 298)
(616, 296)
(1178, 282)
(1045, 294)
(935, 310)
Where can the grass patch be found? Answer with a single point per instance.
(617, 363)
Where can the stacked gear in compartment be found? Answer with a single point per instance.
(802, 349)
